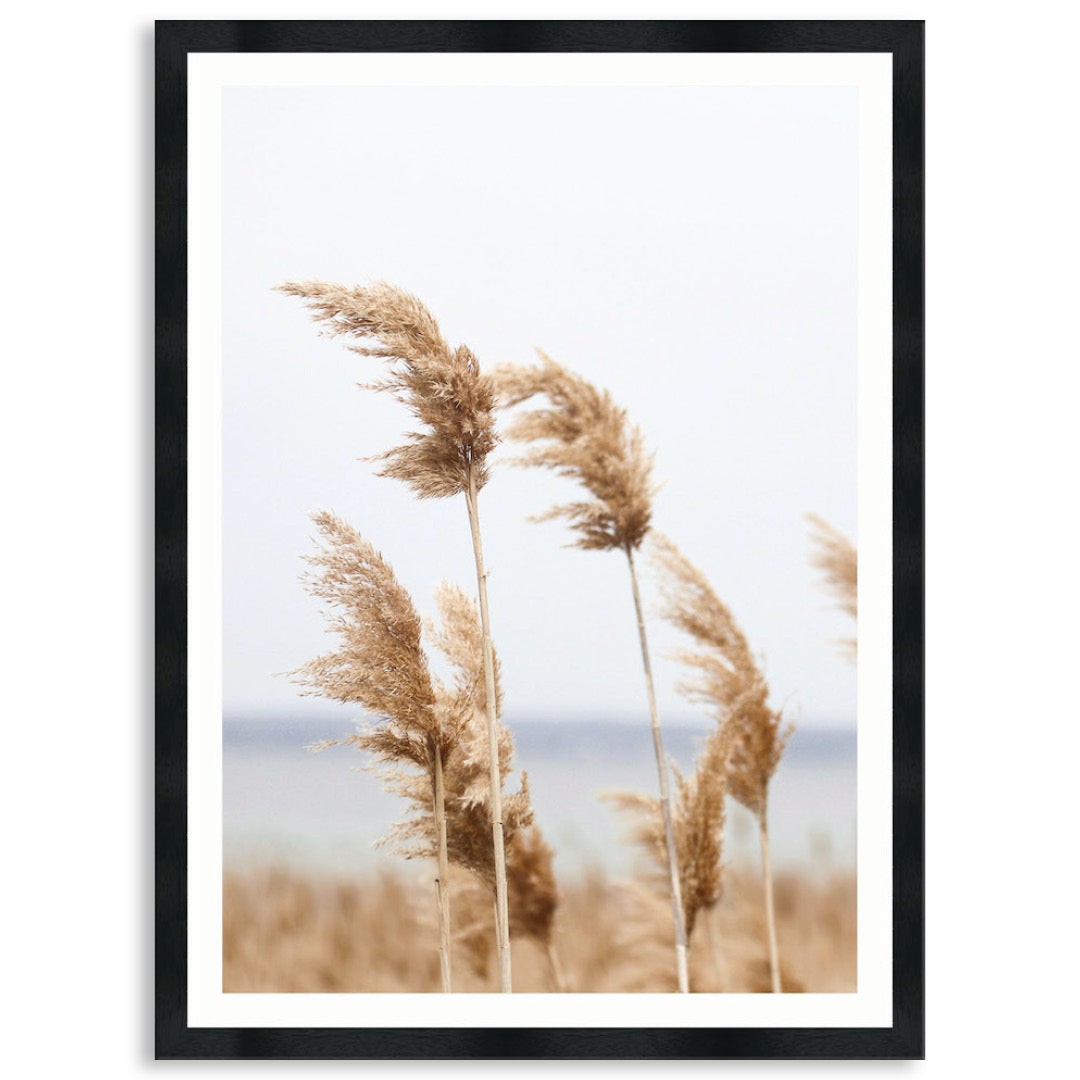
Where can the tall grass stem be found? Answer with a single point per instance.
(665, 792)
(442, 882)
(770, 907)
(502, 911)
(558, 980)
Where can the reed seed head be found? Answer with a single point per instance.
(725, 676)
(468, 797)
(458, 636)
(585, 436)
(441, 386)
(459, 728)
(380, 663)
(835, 556)
(530, 882)
(697, 818)
(531, 895)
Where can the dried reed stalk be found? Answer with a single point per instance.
(453, 401)
(835, 556)
(727, 679)
(381, 666)
(442, 882)
(584, 436)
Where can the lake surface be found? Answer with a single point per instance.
(323, 812)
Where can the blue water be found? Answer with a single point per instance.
(321, 811)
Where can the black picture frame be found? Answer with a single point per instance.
(175, 40)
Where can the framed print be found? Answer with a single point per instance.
(539, 525)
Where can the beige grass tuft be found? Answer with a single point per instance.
(458, 636)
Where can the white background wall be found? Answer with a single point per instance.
(77, 547)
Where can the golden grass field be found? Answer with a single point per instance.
(289, 933)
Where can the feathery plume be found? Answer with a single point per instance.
(458, 636)
(465, 778)
(835, 556)
(380, 663)
(533, 904)
(726, 678)
(381, 666)
(442, 387)
(698, 815)
(531, 877)
(584, 436)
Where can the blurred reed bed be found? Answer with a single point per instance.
(287, 932)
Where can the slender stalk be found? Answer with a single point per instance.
(770, 913)
(442, 882)
(502, 912)
(558, 980)
(665, 794)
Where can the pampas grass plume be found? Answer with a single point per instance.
(835, 556)
(726, 678)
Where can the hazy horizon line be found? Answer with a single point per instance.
(327, 712)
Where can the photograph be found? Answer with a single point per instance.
(552, 459)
